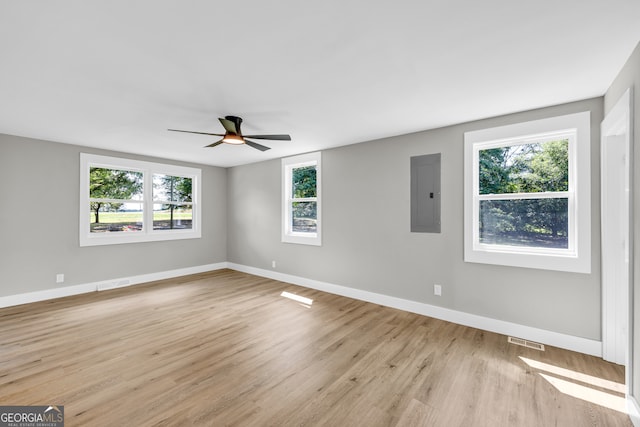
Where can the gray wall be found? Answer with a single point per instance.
(628, 77)
(367, 243)
(39, 222)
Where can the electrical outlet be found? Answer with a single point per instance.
(437, 290)
(59, 278)
(273, 264)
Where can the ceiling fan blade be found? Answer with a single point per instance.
(256, 145)
(214, 144)
(199, 133)
(229, 126)
(272, 137)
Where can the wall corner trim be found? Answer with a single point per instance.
(568, 342)
(66, 291)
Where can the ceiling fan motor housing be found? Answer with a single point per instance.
(237, 121)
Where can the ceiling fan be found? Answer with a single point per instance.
(233, 134)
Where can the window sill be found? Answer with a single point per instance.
(569, 262)
(100, 239)
(312, 239)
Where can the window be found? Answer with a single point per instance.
(115, 200)
(527, 194)
(301, 199)
(125, 201)
(172, 202)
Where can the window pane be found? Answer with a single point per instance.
(172, 188)
(115, 217)
(531, 222)
(304, 217)
(303, 181)
(527, 168)
(172, 217)
(115, 184)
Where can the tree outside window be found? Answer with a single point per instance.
(175, 211)
(117, 194)
(525, 171)
(304, 205)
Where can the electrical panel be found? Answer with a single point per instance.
(425, 193)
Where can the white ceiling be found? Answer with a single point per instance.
(117, 74)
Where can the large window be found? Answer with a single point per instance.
(125, 201)
(301, 199)
(527, 194)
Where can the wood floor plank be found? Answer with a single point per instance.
(225, 348)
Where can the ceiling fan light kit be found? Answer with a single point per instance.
(233, 134)
(233, 139)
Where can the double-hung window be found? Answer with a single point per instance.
(126, 201)
(172, 202)
(527, 194)
(301, 199)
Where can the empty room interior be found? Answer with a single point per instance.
(278, 213)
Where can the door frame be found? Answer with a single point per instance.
(616, 218)
(617, 298)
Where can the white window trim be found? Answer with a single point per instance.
(288, 164)
(576, 258)
(147, 234)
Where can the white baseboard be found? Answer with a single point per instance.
(569, 342)
(66, 291)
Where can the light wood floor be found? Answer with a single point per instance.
(224, 348)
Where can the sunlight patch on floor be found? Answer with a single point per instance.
(302, 300)
(613, 400)
(588, 394)
(577, 376)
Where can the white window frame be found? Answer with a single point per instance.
(288, 164)
(148, 169)
(577, 257)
